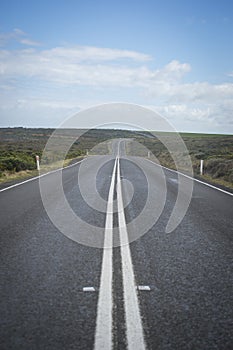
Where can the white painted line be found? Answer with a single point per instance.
(134, 329)
(190, 177)
(144, 288)
(88, 289)
(104, 321)
(37, 177)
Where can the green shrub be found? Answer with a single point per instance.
(219, 168)
(200, 155)
(15, 163)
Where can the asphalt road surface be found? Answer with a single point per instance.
(161, 291)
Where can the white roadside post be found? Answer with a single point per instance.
(38, 163)
(148, 154)
(87, 153)
(201, 167)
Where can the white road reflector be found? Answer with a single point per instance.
(88, 289)
(144, 288)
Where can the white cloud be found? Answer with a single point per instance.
(14, 35)
(174, 71)
(76, 65)
(88, 66)
(192, 92)
(205, 117)
(29, 42)
(17, 35)
(92, 67)
(186, 112)
(89, 54)
(37, 103)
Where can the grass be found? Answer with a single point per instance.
(220, 182)
(21, 175)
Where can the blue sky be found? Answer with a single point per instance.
(176, 57)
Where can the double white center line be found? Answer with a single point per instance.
(104, 323)
(103, 334)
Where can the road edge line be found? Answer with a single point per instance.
(39, 176)
(190, 177)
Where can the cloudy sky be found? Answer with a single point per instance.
(60, 56)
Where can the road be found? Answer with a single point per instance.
(161, 291)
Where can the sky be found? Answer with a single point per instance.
(58, 57)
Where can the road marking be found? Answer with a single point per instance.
(104, 321)
(190, 177)
(173, 180)
(134, 329)
(37, 177)
(88, 289)
(144, 288)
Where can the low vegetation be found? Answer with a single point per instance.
(215, 150)
(19, 146)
